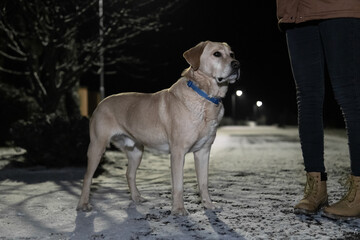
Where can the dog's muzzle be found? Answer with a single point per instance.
(234, 75)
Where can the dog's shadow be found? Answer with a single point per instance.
(220, 227)
(85, 225)
(198, 229)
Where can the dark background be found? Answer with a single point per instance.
(250, 28)
(144, 44)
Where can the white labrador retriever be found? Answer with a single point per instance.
(177, 120)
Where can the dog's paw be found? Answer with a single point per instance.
(212, 206)
(139, 199)
(86, 207)
(179, 212)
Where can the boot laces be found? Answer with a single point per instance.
(351, 193)
(309, 187)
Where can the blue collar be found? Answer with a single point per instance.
(202, 93)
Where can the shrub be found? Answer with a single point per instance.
(53, 141)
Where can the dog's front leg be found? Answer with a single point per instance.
(177, 175)
(201, 158)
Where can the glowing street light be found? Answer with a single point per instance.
(239, 93)
(259, 103)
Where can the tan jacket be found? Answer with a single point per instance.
(297, 11)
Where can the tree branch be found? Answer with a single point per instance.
(19, 73)
(8, 56)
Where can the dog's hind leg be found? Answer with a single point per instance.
(95, 151)
(134, 155)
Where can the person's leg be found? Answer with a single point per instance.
(307, 61)
(341, 38)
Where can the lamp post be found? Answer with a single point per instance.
(256, 110)
(238, 93)
(101, 52)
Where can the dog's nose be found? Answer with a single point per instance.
(235, 64)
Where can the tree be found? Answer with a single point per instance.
(47, 45)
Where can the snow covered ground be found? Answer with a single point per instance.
(256, 176)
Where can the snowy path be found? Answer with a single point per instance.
(256, 176)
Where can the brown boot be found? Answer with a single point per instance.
(315, 195)
(349, 206)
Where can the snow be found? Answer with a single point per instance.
(256, 176)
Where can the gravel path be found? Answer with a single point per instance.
(256, 176)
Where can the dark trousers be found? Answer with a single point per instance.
(329, 45)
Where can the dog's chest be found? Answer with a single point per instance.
(208, 124)
(206, 137)
(206, 113)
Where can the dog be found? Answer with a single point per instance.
(178, 120)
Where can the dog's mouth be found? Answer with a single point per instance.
(231, 78)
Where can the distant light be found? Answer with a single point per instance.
(259, 103)
(239, 93)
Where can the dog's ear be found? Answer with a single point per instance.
(192, 55)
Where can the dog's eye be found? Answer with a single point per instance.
(217, 54)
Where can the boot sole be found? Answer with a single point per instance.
(339, 217)
(299, 211)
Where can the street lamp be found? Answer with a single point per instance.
(238, 93)
(257, 111)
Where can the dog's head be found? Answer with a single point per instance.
(214, 59)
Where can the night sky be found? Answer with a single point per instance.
(250, 28)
